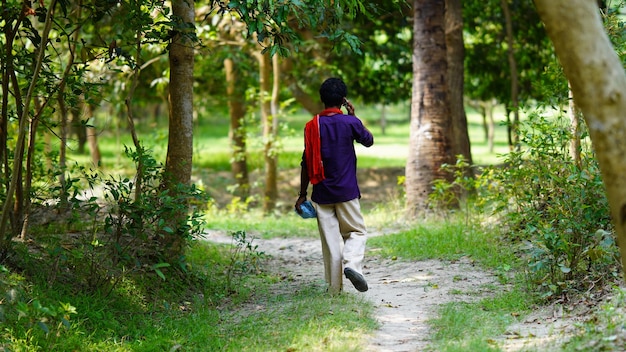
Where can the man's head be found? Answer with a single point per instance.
(333, 91)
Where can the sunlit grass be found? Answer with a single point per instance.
(446, 239)
(212, 146)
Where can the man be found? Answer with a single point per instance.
(329, 163)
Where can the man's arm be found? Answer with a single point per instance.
(364, 136)
(304, 184)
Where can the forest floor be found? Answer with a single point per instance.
(406, 295)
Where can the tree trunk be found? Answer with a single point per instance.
(63, 201)
(28, 181)
(180, 140)
(5, 237)
(598, 83)
(92, 137)
(455, 55)
(513, 130)
(270, 192)
(237, 132)
(313, 106)
(430, 130)
(574, 147)
(491, 126)
(78, 127)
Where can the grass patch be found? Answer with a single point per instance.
(462, 326)
(256, 223)
(191, 312)
(443, 239)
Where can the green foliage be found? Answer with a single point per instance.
(447, 195)
(142, 216)
(557, 209)
(27, 315)
(114, 231)
(269, 20)
(244, 259)
(487, 71)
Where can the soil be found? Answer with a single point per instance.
(406, 295)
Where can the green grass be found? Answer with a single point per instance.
(462, 326)
(212, 147)
(195, 312)
(446, 239)
(263, 226)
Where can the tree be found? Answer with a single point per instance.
(180, 141)
(237, 132)
(505, 55)
(598, 83)
(455, 49)
(268, 120)
(430, 143)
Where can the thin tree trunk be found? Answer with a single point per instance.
(574, 146)
(265, 74)
(131, 121)
(313, 106)
(29, 169)
(63, 201)
(271, 172)
(180, 141)
(5, 237)
(598, 83)
(92, 137)
(491, 127)
(63, 111)
(430, 129)
(514, 134)
(455, 55)
(237, 111)
(78, 127)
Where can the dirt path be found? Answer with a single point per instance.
(406, 294)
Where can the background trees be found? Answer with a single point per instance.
(120, 66)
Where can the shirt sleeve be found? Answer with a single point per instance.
(361, 134)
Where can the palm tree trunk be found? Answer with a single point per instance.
(455, 55)
(430, 129)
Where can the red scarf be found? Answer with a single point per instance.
(313, 147)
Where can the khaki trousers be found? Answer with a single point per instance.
(343, 235)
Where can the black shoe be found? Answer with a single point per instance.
(357, 279)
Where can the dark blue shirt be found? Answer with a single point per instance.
(337, 136)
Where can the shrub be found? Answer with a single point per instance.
(557, 209)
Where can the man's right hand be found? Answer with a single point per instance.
(299, 202)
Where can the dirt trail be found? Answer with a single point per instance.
(406, 294)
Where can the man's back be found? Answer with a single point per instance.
(337, 135)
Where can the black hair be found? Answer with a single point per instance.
(333, 91)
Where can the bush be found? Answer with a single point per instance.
(556, 207)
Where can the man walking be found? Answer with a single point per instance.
(329, 163)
